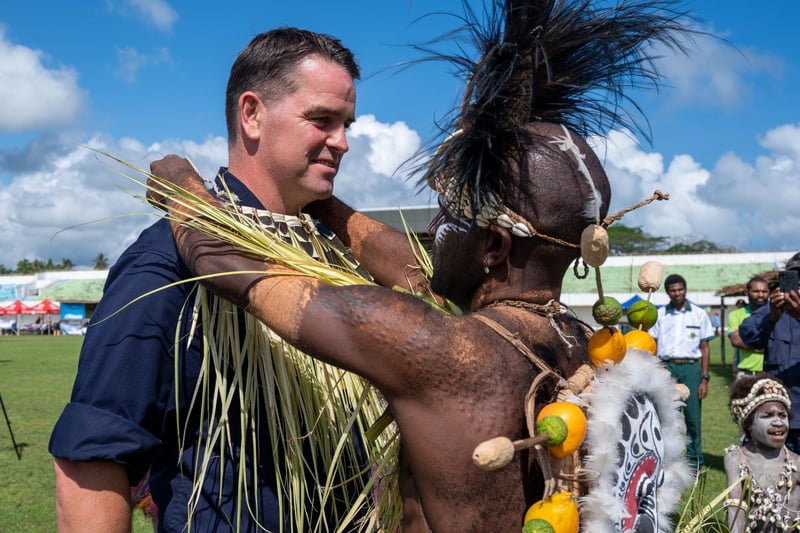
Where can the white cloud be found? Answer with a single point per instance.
(751, 206)
(74, 204)
(33, 95)
(714, 73)
(156, 13)
(131, 60)
(372, 173)
(64, 201)
(77, 203)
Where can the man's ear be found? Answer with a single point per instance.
(250, 115)
(498, 246)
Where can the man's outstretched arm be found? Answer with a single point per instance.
(385, 252)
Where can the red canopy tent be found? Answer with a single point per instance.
(14, 308)
(45, 307)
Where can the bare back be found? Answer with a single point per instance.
(476, 392)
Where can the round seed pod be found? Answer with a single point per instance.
(594, 245)
(493, 453)
(650, 276)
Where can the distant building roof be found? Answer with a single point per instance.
(75, 290)
(416, 218)
(705, 275)
(620, 274)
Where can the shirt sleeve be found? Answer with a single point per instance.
(706, 327)
(734, 321)
(126, 365)
(755, 329)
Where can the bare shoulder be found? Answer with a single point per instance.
(475, 387)
(495, 354)
(732, 460)
(559, 341)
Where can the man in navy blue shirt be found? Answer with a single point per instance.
(775, 327)
(290, 98)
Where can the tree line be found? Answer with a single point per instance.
(626, 240)
(27, 266)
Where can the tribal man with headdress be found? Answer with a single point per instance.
(517, 184)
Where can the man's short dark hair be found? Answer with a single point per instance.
(755, 279)
(672, 279)
(267, 65)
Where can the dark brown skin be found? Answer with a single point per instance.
(384, 251)
(450, 381)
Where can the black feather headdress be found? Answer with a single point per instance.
(566, 62)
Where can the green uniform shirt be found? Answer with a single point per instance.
(746, 359)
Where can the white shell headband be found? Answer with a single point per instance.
(763, 391)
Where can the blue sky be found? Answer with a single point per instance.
(140, 78)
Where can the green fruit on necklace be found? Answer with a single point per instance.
(642, 313)
(607, 311)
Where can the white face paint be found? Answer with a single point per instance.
(445, 228)
(770, 425)
(566, 144)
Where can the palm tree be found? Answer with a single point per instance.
(24, 266)
(100, 262)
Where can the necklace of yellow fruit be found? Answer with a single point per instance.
(559, 428)
(557, 512)
(608, 345)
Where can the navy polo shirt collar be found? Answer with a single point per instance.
(241, 194)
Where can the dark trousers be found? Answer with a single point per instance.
(689, 374)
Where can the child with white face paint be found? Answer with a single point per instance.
(762, 471)
(770, 425)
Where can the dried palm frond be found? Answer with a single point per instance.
(711, 517)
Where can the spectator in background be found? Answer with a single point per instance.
(747, 361)
(715, 322)
(775, 328)
(682, 332)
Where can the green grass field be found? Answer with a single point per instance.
(36, 374)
